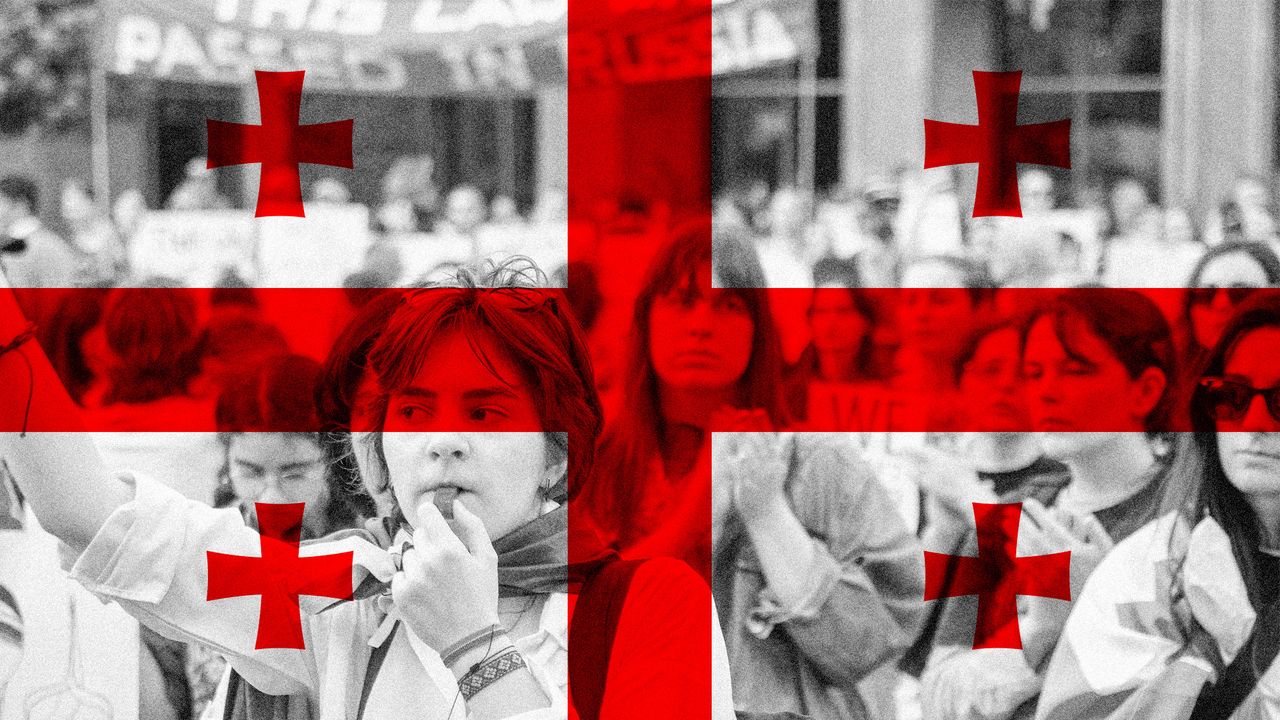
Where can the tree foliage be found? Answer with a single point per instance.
(44, 62)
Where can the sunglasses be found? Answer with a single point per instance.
(1236, 294)
(1229, 400)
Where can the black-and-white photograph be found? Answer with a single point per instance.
(731, 359)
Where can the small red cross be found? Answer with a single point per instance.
(279, 576)
(997, 143)
(280, 143)
(997, 576)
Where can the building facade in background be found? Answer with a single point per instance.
(1177, 93)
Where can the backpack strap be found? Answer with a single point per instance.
(1234, 685)
(591, 633)
(246, 702)
(376, 659)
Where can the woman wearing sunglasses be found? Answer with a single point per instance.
(1225, 277)
(1182, 620)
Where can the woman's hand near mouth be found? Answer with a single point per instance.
(448, 592)
(448, 587)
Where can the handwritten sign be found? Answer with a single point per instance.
(858, 408)
(195, 247)
(79, 655)
(319, 250)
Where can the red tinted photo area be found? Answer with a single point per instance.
(922, 359)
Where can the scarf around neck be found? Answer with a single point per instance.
(549, 554)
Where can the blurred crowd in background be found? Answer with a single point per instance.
(908, 316)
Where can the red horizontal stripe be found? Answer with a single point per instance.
(310, 320)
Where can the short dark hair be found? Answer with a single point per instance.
(1132, 327)
(16, 187)
(153, 332)
(510, 303)
(840, 271)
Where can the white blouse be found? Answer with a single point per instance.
(150, 557)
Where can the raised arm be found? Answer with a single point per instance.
(58, 469)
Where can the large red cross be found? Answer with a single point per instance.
(280, 143)
(279, 576)
(652, 136)
(997, 143)
(997, 575)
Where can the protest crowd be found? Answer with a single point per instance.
(906, 319)
(816, 449)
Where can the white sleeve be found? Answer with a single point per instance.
(150, 557)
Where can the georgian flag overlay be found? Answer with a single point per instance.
(613, 58)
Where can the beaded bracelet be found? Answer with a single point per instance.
(469, 643)
(484, 674)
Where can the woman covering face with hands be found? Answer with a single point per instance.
(1204, 643)
(481, 390)
(1093, 358)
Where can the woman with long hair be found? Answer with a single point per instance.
(484, 390)
(1180, 619)
(817, 581)
(1097, 364)
(694, 356)
(1226, 276)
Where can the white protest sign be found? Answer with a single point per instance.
(79, 655)
(195, 246)
(319, 250)
(430, 256)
